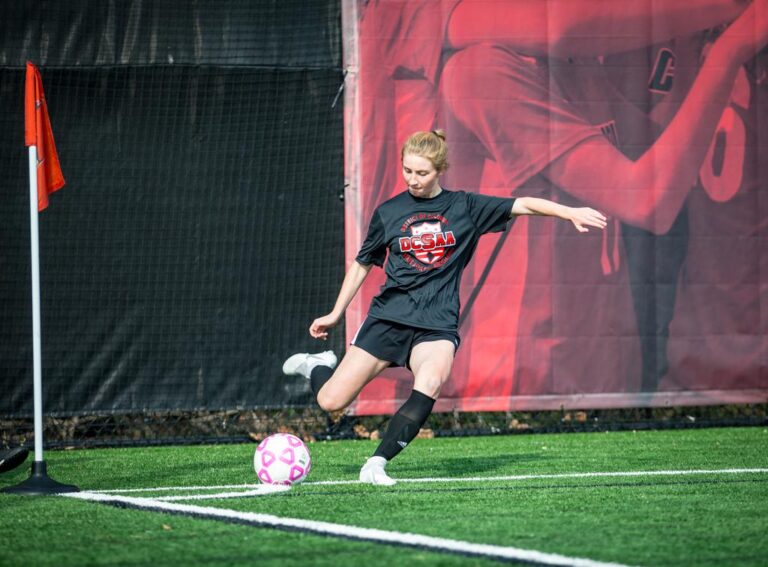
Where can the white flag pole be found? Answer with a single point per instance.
(37, 356)
(39, 482)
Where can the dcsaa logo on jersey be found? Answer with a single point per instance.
(428, 243)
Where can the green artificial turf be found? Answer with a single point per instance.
(707, 519)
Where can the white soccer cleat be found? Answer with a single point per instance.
(303, 363)
(373, 472)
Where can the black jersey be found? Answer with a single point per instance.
(430, 242)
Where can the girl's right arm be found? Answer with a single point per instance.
(654, 187)
(352, 281)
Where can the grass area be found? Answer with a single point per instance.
(707, 519)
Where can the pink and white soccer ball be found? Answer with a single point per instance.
(282, 458)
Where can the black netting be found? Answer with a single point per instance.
(269, 33)
(237, 425)
(200, 229)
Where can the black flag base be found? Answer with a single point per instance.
(39, 483)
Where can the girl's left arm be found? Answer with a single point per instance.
(581, 217)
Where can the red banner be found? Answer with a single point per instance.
(37, 132)
(655, 114)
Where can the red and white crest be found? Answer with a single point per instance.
(428, 244)
(430, 252)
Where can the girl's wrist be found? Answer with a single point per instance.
(336, 314)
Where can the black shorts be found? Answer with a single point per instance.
(387, 340)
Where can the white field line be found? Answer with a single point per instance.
(449, 480)
(177, 488)
(261, 490)
(345, 531)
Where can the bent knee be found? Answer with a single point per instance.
(430, 384)
(328, 401)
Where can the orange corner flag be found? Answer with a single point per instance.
(37, 132)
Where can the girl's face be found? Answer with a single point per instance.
(421, 176)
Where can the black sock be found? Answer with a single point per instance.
(405, 425)
(318, 377)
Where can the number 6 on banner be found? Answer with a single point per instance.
(723, 168)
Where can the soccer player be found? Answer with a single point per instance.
(517, 77)
(548, 108)
(426, 235)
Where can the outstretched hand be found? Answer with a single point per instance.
(319, 327)
(582, 217)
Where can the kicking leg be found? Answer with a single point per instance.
(356, 369)
(335, 390)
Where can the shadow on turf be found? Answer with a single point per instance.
(458, 466)
(518, 488)
(118, 471)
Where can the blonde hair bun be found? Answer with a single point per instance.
(430, 145)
